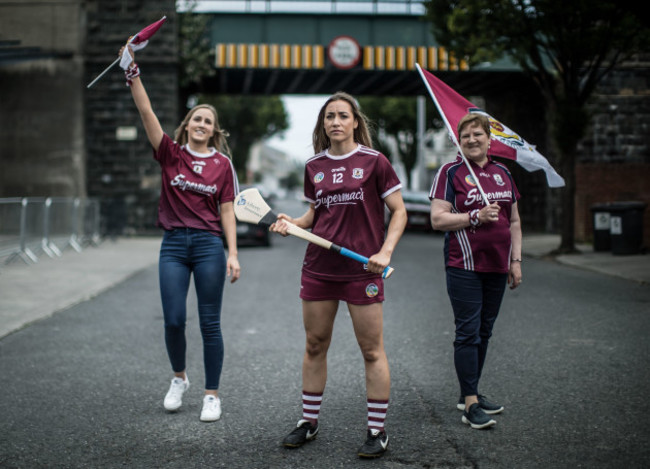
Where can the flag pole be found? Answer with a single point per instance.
(103, 73)
(453, 135)
(111, 65)
(144, 36)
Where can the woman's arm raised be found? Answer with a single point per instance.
(149, 119)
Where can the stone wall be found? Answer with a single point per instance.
(614, 158)
(620, 121)
(41, 118)
(121, 169)
(60, 138)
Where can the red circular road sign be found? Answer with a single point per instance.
(344, 52)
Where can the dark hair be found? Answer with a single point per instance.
(361, 134)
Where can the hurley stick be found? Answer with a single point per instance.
(250, 207)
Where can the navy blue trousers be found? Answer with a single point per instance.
(183, 252)
(476, 299)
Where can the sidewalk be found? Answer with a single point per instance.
(633, 267)
(32, 292)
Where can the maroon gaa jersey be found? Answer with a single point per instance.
(487, 247)
(193, 186)
(348, 194)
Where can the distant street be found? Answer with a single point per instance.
(569, 359)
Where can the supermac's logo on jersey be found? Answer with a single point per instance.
(183, 184)
(470, 180)
(319, 177)
(372, 290)
(357, 173)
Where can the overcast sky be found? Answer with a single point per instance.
(303, 111)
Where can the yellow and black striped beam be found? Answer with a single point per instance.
(269, 56)
(306, 56)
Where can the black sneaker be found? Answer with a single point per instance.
(487, 406)
(375, 445)
(477, 418)
(303, 433)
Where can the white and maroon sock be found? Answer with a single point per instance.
(377, 414)
(311, 406)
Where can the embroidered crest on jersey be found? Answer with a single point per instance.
(498, 179)
(197, 166)
(372, 290)
(470, 180)
(319, 177)
(357, 173)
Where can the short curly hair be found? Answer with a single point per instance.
(472, 118)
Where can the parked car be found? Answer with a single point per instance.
(253, 235)
(418, 210)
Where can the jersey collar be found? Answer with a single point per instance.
(196, 154)
(342, 157)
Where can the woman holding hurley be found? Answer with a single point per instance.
(347, 184)
(195, 210)
(482, 254)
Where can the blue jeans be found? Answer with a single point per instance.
(186, 251)
(476, 299)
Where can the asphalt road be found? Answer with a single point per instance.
(569, 360)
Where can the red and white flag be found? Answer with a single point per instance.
(140, 41)
(505, 142)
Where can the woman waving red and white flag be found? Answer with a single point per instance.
(505, 142)
(140, 41)
(137, 42)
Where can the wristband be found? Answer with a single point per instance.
(515, 260)
(473, 218)
(131, 73)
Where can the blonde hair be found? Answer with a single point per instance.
(474, 118)
(217, 140)
(361, 134)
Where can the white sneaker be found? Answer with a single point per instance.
(211, 408)
(174, 397)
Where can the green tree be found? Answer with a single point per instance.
(194, 52)
(567, 47)
(397, 117)
(195, 55)
(248, 119)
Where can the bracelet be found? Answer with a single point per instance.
(131, 73)
(515, 260)
(473, 218)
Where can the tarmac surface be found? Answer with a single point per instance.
(85, 366)
(29, 293)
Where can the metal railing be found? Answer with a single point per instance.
(33, 226)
